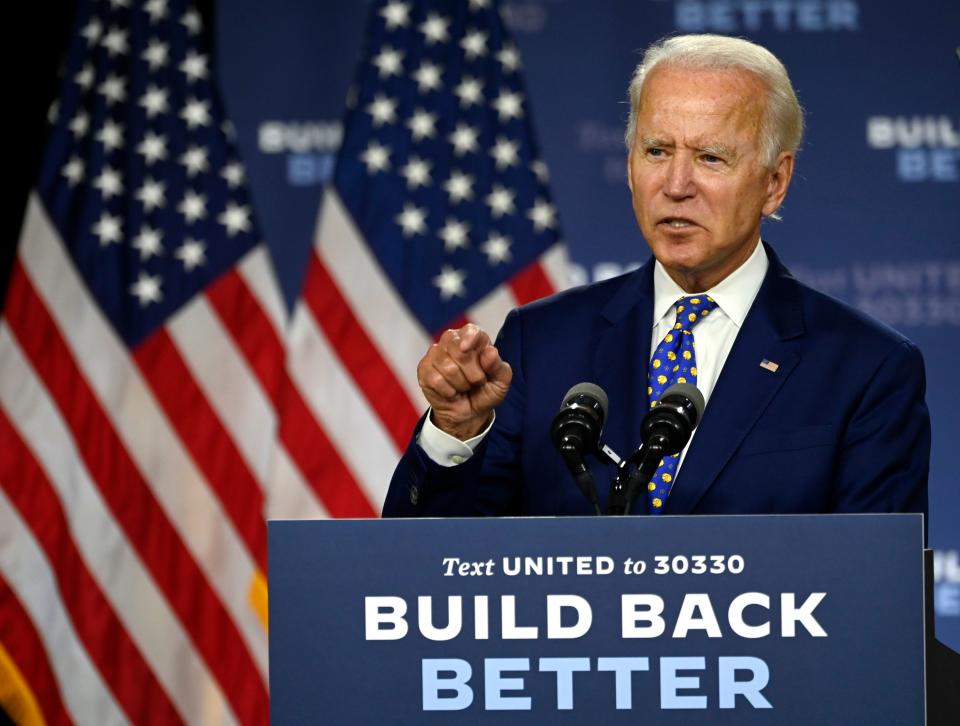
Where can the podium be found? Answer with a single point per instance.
(785, 619)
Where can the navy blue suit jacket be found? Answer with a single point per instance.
(841, 426)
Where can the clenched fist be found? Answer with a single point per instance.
(463, 379)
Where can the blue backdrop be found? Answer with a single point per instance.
(873, 215)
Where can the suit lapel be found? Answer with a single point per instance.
(621, 355)
(744, 389)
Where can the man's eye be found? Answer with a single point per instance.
(655, 152)
(711, 159)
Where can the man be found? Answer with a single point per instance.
(811, 406)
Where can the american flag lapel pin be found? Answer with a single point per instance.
(769, 365)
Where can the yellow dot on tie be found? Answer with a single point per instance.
(671, 355)
(661, 379)
(669, 338)
(691, 317)
(677, 326)
(695, 300)
(657, 502)
(687, 355)
(651, 486)
(652, 404)
(709, 299)
(680, 308)
(693, 371)
(656, 362)
(676, 368)
(681, 379)
(704, 313)
(649, 390)
(666, 477)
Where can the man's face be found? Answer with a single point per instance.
(699, 189)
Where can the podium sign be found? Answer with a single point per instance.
(791, 620)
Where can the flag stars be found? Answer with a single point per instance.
(113, 89)
(428, 77)
(84, 78)
(92, 31)
(469, 91)
(450, 282)
(540, 170)
(464, 139)
(107, 229)
(509, 58)
(504, 153)
(193, 207)
(109, 183)
(416, 172)
(497, 249)
(233, 174)
(194, 67)
(192, 22)
(152, 194)
(111, 136)
(474, 44)
(479, 4)
(543, 215)
(73, 170)
(79, 125)
(412, 220)
(153, 148)
(148, 242)
(500, 201)
(389, 62)
(459, 186)
(156, 54)
(382, 110)
(154, 101)
(422, 125)
(435, 29)
(147, 289)
(115, 41)
(508, 105)
(454, 235)
(396, 15)
(196, 113)
(376, 157)
(192, 254)
(235, 218)
(195, 160)
(156, 9)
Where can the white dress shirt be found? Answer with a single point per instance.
(715, 335)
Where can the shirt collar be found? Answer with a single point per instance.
(734, 294)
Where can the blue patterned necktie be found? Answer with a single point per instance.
(674, 361)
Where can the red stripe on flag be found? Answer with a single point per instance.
(134, 507)
(251, 329)
(119, 661)
(23, 644)
(317, 458)
(303, 438)
(530, 284)
(203, 435)
(359, 354)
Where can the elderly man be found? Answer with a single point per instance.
(811, 406)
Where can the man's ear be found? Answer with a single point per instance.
(778, 182)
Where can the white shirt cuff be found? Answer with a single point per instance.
(447, 450)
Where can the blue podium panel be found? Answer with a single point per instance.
(793, 620)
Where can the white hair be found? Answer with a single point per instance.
(781, 128)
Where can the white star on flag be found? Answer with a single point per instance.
(194, 66)
(389, 62)
(109, 183)
(236, 218)
(543, 215)
(151, 194)
(422, 125)
(154, 101)
(459, 186)
(500, 201)
(115, 42)
(396, 15)
(148, 242)
(428, 77)
(416, 172)
(435, 29)
(376, 157)
(92, 31)
(504, 152)
(156, 9)
(454, 235)
(156, 54)
(191, 253)
(464, 139)
(73, 171)
(474, 44)
(114, 90)
(84, 78)
(79, 124)
(412, 220)
(192, 22)
(508, 105)
(147, 289)
(497, 248)
(196, 113)
(233, 173)
(195, 160)
(111, 136)
(450, 282)
(107, 229)
(153, 148)
(470, 91)
(382, 110)
(509, 58)
(193, 207)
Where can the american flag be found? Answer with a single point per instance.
(439, 214)
(153, 403)
(140, 360)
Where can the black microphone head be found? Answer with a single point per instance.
(674, 418)
(690, 392)
(579, 422)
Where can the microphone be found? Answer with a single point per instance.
(576, 430)
(664, 431)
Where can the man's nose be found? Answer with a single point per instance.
(679, 183)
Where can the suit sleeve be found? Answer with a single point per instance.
(885, 455)
(489, 482)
